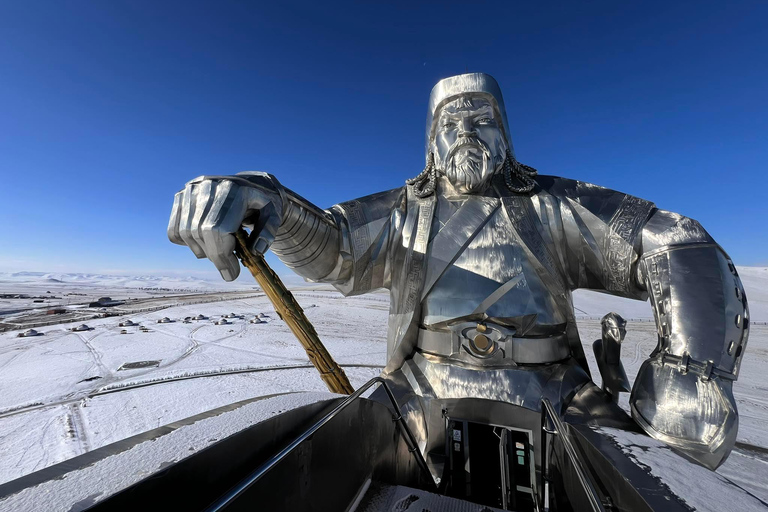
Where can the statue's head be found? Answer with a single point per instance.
(468, 139)
(467, 132)
(614, 327)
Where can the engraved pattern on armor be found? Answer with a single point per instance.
(523, 216)
(657, 277)
(405, 307)
(619, 242)
(630, 217)
(418, 255)
(361, 242)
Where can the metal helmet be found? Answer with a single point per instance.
(469, 84)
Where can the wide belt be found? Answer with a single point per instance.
(487, 344)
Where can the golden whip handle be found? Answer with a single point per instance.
(292, 314)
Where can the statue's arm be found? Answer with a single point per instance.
(623, 245)
(683, 392)
(370, 227)
(347, 245)
(309, 240)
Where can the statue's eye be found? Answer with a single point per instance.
(485, 120)
(449, 125)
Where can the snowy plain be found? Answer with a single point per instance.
(64, 393)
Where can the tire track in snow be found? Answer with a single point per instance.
(76, 429)
(199, 375)
(106, 372)
(193, 345)
(243, 329)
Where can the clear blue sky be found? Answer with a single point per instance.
(108, 108)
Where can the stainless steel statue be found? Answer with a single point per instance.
(480, 255)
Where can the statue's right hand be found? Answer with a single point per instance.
(210, 209)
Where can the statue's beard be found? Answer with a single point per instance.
(469, 164)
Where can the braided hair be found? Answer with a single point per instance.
(424, 183)
(523, 173)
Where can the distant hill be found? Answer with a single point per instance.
(106, 281)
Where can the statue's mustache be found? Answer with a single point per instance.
(468, 141)
(468, 165)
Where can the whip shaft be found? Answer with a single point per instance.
(289, 310)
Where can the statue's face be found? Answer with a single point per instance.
(615, 330)
(469, 146)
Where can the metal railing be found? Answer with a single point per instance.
(552, 425)
(256, 475)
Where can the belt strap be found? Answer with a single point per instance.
(498, 348)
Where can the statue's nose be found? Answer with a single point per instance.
(466, 128)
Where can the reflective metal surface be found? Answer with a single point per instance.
(468, 144)
(552, 425)
(461, 87)
(608, 355)
(682, 395)
(242, 486)
(479, 239)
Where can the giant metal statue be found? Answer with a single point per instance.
(480, 255)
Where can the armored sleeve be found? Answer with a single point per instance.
(347, 245)
(308, 239)
(683, 393)
(625, 246)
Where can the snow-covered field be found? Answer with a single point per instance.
(64, 393)
(50, 409)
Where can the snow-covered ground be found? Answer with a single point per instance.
(50, 409)
(64, 393)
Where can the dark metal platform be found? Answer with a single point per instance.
(398, 498)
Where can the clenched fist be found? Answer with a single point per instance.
(210, 209)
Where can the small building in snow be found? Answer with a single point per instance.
(105, 302)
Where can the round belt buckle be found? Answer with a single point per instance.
(482, 343)
(481, 340)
